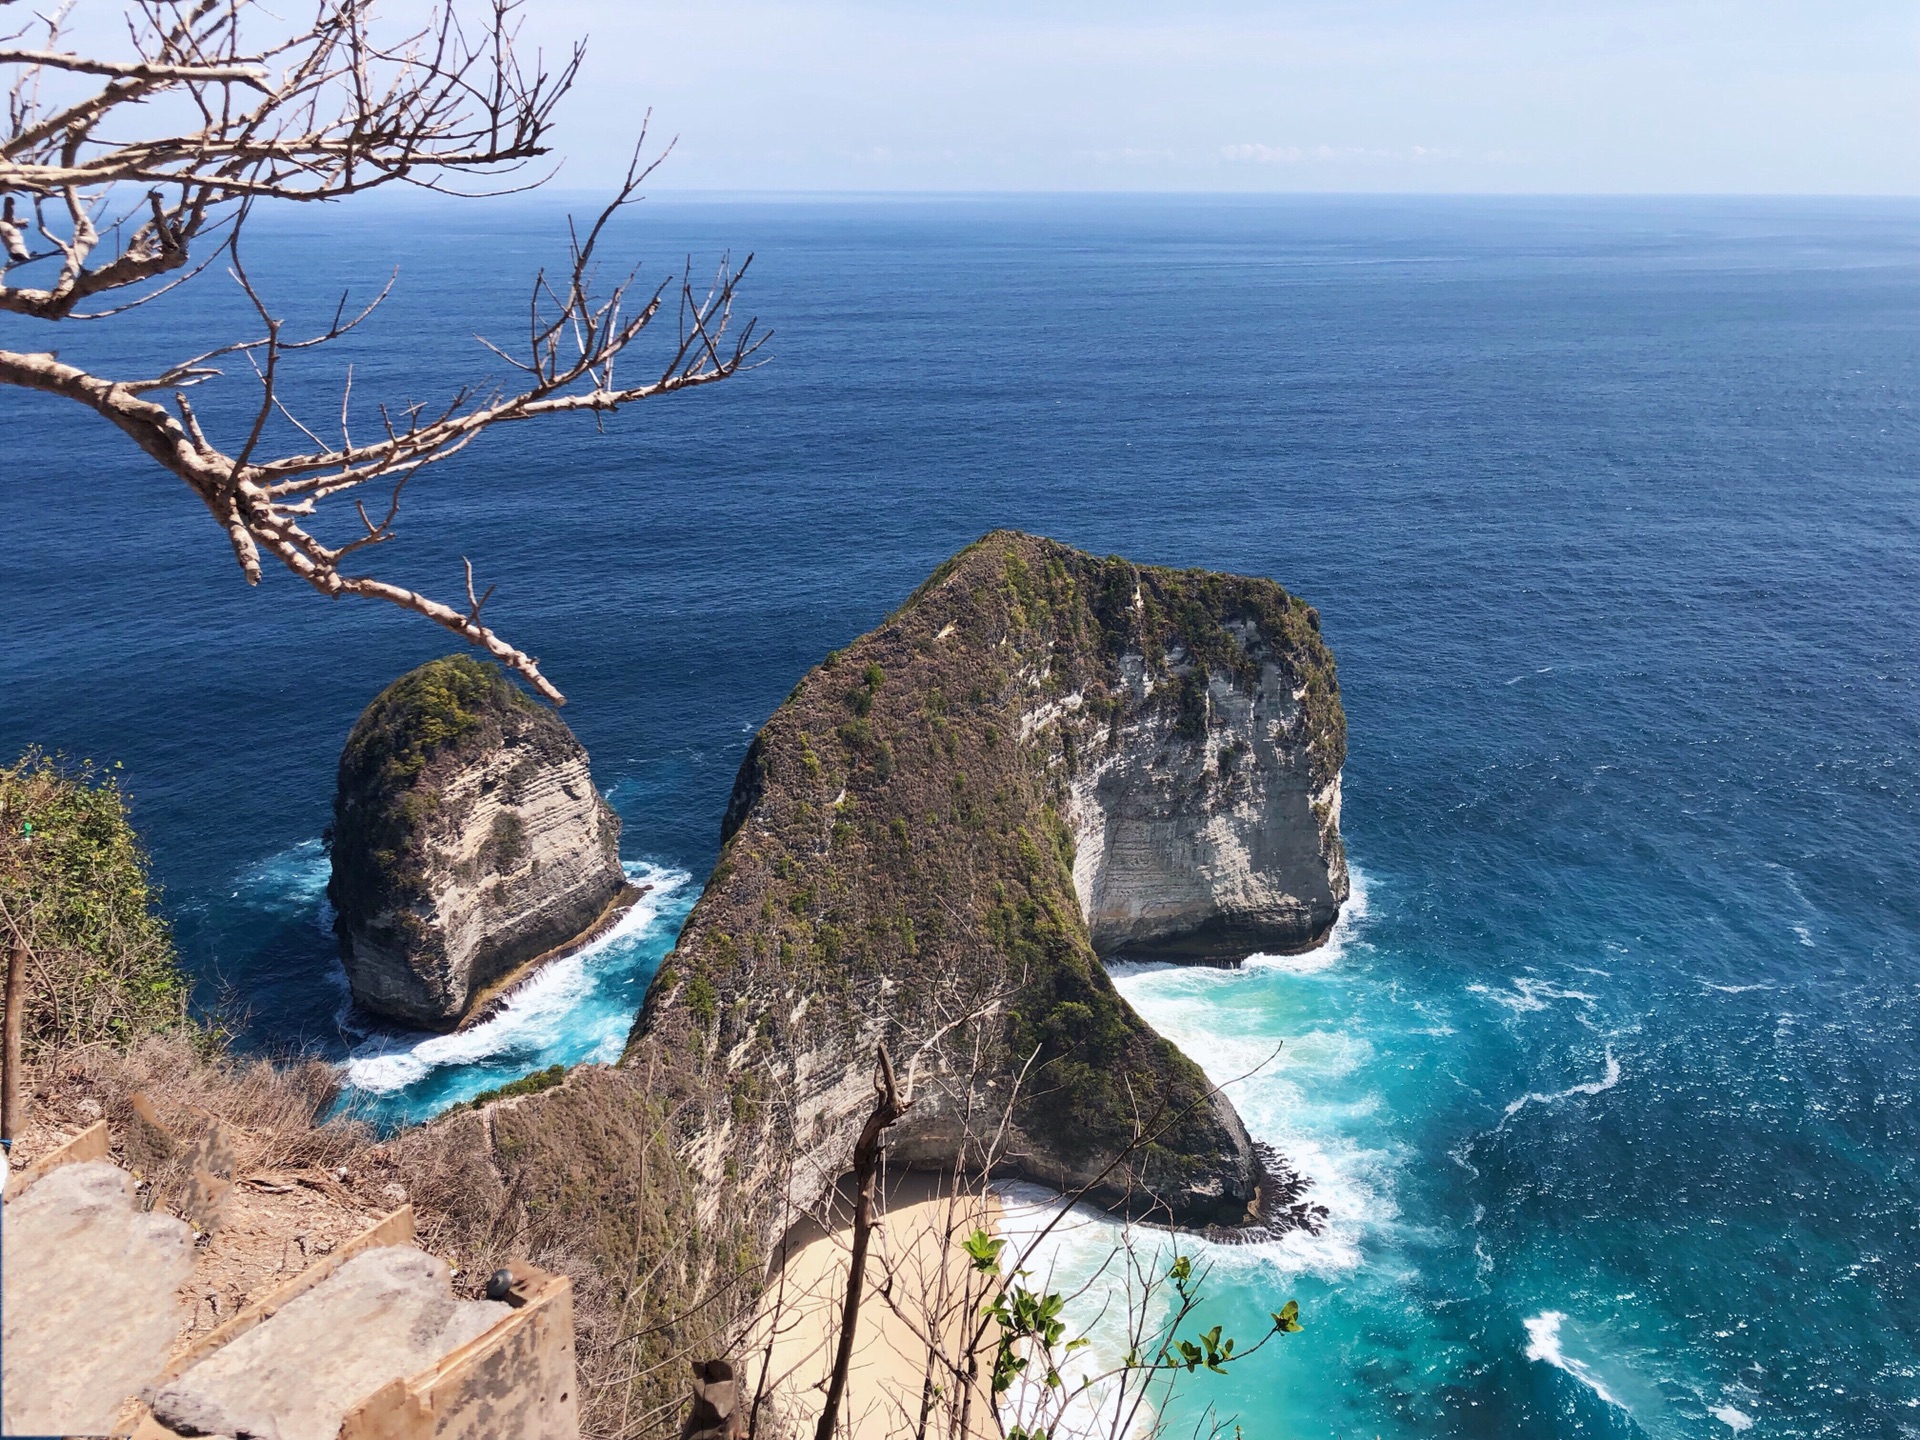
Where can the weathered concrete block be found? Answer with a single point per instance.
(381, 1317)
(89, 1299)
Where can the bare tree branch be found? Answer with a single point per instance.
(323, 109)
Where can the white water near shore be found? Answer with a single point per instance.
(1278, 1078)
(576, 1010)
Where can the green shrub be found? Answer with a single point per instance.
(526, 1085)
(74, 879)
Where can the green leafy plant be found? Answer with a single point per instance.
(1024, 1315)
(74, 883)
(1031, 1329)
(983, 1250)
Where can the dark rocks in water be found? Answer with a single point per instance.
(468, 840)
(1042, 757)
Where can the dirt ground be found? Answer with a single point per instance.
(272, 1219)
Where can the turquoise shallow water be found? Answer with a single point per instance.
(1611, 1083)
(574, 1011)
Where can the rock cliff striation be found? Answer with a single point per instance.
(1042, 758)
(468, 841)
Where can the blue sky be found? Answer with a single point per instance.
(1373, 95)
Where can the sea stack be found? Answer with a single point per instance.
(1042, 759)
(468, 842)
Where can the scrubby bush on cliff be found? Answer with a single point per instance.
(75, 885)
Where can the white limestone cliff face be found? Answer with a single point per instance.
(496, 851)
(519, 865)
(1208, 846)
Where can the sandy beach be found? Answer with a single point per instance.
(921, 1296)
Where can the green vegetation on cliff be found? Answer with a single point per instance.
(424, 711)
(896, 855)
(75, 879)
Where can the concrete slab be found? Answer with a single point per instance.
(381, 1317)
(87, 1283)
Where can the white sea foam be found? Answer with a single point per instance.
(1543, 1343)
(1301, 1100)
(1101, 1266)
(1113, 1276)
(536, 1017)
(1727, 1415)
(1346, 930)
(1530, 993)
(1738, 989)
(1591, 1087)
(293, 881)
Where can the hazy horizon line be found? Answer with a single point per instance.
(601, 194)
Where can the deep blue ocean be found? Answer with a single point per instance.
(1611, 1077)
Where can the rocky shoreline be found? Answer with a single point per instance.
(492, 1000)
(1283, 1207)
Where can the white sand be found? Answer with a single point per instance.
(920, 1289)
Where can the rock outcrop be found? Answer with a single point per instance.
(384, 1315)
(468, 841)
(1041, 757)
(1203, 829)
(88, 1299)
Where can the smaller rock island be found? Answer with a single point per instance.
(468, 843)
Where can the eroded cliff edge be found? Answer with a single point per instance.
(468, 840)
(1041, 757)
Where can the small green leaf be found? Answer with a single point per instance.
(983, 1249)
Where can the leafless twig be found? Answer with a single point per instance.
(321, 110)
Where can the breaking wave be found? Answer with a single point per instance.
(576, 1010)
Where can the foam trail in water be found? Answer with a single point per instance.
(1727, 1415)
(1543, 1343)
(1591, 1087)
(292, 882)
(1530, 994)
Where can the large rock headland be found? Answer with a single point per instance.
(468, 841)
(1043, 757)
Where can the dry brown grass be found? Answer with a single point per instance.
(585, 1180)
(270, 1115)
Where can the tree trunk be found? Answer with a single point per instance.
(887, 1108)
(12, 1060)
